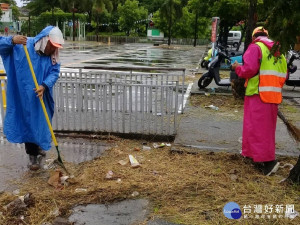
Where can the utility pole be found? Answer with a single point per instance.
(29, 24)
(73, 19)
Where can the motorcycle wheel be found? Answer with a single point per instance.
(204, 63)
(204, 80)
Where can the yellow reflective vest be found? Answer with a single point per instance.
(270, 80)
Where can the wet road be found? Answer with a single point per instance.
(136, 55)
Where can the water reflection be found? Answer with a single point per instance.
(131, 55)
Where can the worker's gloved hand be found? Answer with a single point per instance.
(40, 91)
(19, 39)
(234, 65)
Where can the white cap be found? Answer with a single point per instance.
(56, 37)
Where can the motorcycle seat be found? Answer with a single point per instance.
(234, 53)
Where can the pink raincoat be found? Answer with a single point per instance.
(260, 118)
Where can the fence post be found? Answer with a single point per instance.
(176, 108)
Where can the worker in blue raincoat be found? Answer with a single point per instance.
(25, 121)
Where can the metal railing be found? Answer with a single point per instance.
(129, 75)
(2, 97)
(115, 107)
(117, 101)
(125, 39)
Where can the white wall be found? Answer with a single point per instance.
(6, 16)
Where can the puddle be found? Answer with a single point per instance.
(82, 151)
(123, 213)
(14, 160)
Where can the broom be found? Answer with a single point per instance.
(294, 176)
(293, 130)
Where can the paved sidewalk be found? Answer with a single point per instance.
(206, 129)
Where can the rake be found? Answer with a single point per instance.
(58, 160)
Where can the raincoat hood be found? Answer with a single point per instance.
(45, 32)
(267, 42)
(52, 34)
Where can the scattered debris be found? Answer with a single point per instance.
(135, 193)
(212, 107)
(159, 146)
(233, 177)
(55, 179)
(207, 94)
(123, 162)
(109, 175)
(240, 140)
(119, 180)
(168, 145)
(55, 212)
(146, 147)
(137, 149)
(134, 163)
(19, 205)
(78, 190)
(16, 192)
(63, 179)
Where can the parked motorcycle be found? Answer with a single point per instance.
(234, 56)
(214, 69)
(292, 81)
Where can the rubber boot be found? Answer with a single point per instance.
(33, 163)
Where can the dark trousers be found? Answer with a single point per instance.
(31, 149)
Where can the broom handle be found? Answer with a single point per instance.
(41, 99)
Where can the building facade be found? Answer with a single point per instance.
(6, 13)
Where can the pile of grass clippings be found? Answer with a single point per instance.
(183, 188)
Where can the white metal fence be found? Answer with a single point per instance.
(118, 101)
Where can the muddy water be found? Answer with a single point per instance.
(122, 213)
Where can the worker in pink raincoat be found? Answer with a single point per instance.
(265, 75)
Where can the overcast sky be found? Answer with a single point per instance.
(19, 3)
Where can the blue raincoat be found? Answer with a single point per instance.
(25, 120)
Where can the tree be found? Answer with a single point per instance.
(198, 8)
(151, 5)
(99, 7)
(170, 11)
(230, 12)
(73, 6)
(251, 22)
(283, 21)
(130, 13)
(36, 7)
